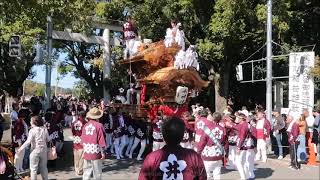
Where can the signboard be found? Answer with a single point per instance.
(301, 86)
(285, 111)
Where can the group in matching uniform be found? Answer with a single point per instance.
(213, 141)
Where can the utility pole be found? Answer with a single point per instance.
(106, 62)
(48, 63)
(269, 62)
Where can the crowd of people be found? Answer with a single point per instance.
(190, 137)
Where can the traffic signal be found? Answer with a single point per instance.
(15, 46)
(239, 73)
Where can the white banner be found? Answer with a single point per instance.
(301, 86)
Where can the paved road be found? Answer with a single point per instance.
(129, 169)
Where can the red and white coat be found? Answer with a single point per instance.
(93, 140)
(76, 128)
(211, 149)
(262, 129)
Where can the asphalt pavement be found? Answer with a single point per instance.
(127, 169)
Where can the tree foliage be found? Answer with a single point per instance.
(28, 19)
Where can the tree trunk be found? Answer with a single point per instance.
(220, 101)
(222, 88)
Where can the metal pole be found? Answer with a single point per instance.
(107, 62)
(48, 63)
(269, 62)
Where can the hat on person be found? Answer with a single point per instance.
(244, 112)
(94, 113)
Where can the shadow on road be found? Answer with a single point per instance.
(263, 173)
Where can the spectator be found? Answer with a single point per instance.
(316, 114)
(301, 151)
(310, 123)
(68, 119)
(14, 113)
(173, 161)
(278, 125)
(38, 138)
(2, 120)
(293, 132)
(93, 141)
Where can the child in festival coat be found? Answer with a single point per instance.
(76, 128)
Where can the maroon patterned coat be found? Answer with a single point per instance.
(93, 140)
(156, 130)
(293, 134)
(129, 30)
(141, 129)
(245, 139)
(107, 123)
(188, 133)
(118, 127)
(232, 135)
(20, 132)
(173, 163)
(212, 141)
(76, 128)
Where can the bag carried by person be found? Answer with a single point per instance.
(52, 152)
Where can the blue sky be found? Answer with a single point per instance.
(66, 82)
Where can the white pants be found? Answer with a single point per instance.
(92, 166)
(213, 169)
(134, 146)
(109, 142)
(130, 143)
(129, 48)
(119, 144)
(232, 157)
(261, 150)
(245, 163)
(157, 145)
(18, 160)
(38, 160)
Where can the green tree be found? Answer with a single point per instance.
(82, 90)
(28, 19)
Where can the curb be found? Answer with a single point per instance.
(287, 160)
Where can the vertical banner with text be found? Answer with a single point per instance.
(301, 85)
